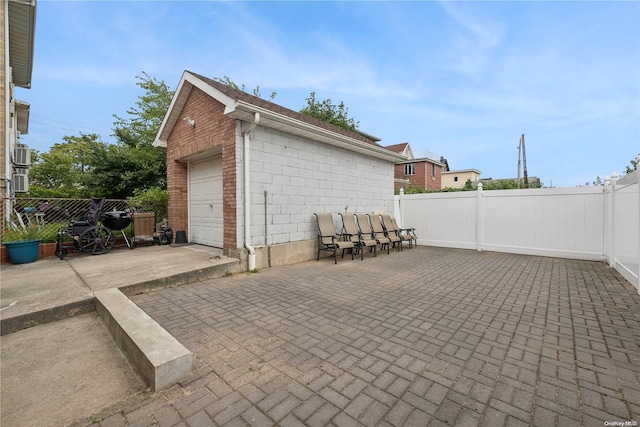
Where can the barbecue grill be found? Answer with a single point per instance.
(88, 236)
(118, 221)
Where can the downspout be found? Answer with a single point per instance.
(247, 191)
(8, 92)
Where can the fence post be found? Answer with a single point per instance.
(614, 178)
(638, 240)
(479, 218)
(606, 237)
(401, 204)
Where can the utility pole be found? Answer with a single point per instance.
(522, 158)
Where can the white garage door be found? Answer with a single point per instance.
(205, 198)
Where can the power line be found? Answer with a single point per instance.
(55, 124)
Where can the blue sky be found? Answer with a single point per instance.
(461, 80)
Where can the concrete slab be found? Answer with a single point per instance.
(37, 286)
(130, 266)
(57, 373)
(51, 289)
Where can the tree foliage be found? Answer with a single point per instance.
(226, 80)
(84, 166)
(65, 170)
(133, 163)
(330, 113)
(632, 166)
(145, 118)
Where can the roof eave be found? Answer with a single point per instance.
(245, 111)
(187, 82)
(242, 110)
(463, 171)
(22, 22)
(422, 159)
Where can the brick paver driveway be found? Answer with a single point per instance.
(428, 336)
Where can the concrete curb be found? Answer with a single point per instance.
(153, 352)
(221, 269)
(29, 320)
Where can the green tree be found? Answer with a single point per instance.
(468, 186)
(64, 170)
(133, 164)
(120, 171)
(330, 113)
(226, 80)
(321, 110)
(509, 184)
(84, 166)
(145, 118)
(633, 165)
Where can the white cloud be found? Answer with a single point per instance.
(487, 31)
(459, 79)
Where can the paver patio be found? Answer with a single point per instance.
(425, 337)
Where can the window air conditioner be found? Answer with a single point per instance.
(23, 155)
(21, 183)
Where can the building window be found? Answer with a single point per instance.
(410, 169)
(455, 179)
(433, 169)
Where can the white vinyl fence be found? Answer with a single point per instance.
(591, 223)
(622, 226)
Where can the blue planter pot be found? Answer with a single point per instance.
(23, 251)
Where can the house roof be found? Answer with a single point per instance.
(22, 21)
(243, 106)
(423, 159)
(463, 171)
(397, 148)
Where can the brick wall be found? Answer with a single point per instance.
(422, 177)
(212, 131)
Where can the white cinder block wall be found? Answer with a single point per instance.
(302, 177)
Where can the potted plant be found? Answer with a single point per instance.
(23, 244)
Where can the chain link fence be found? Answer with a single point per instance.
(50, 214)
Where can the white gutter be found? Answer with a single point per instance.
(247, 191)
(241, 110)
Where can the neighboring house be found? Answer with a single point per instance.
(424, 173)
(404, 149)
(458, 178)
(247, 175)
(17, 19)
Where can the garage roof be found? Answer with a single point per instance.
(242, 106)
